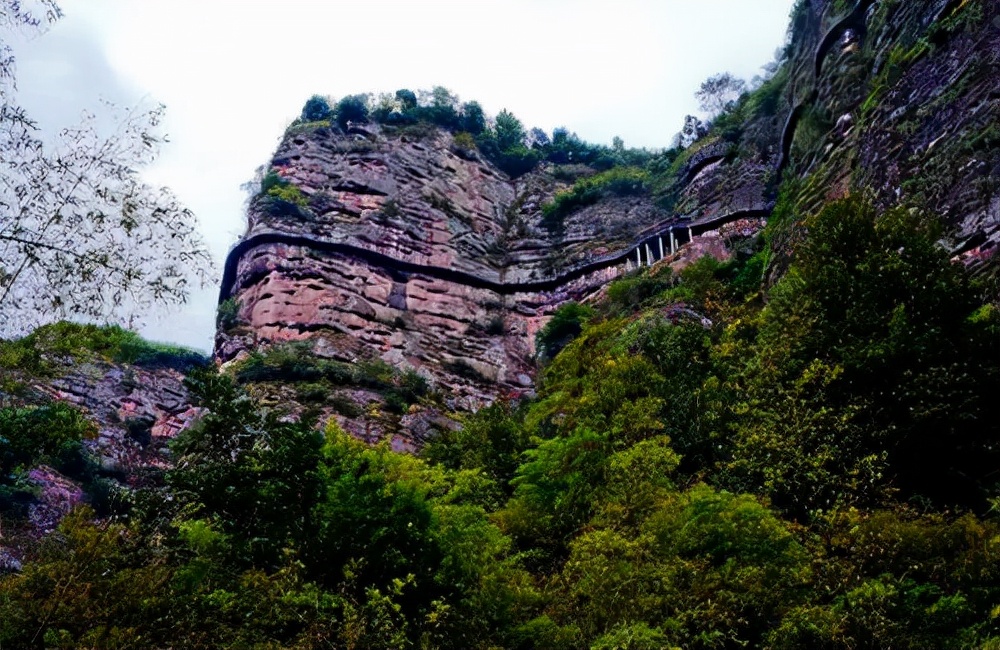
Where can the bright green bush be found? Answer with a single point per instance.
(39, 434)
(565, 325)
(620, 181)
(290, 194)
(272, 179)
(465, 141)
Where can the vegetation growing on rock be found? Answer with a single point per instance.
(692, 444)
(793, 448)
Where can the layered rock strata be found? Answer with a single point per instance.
(896, 100)
(136, 412)
(402, 246)
(425, 258)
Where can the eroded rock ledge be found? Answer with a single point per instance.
(423, 258)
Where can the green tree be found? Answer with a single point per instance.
(407, 98)
(353, 108)
(252, 472)
(440, 106)
(316, 108)
(473, 118)
(873, 369)
(565, 325)
(491, 442)
(509, 130)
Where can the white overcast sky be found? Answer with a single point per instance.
(233, 74)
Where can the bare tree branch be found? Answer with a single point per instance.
(81, 235)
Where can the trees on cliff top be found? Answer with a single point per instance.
(82, 236)
(503, 139)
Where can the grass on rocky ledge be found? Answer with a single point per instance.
(36, 352)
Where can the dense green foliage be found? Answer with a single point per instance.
(564, 326)
(598, 170)
(874, 360)
(273, 535)
(316, 379)
(316, 108)
(700, 469)
(32, 436)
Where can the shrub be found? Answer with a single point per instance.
(413, 385)
(473, 120)
(619, 181)
(390, 208)
(353, 108)
(227, 314)
(496, 325)
(151, 354)
(292, 362)
(464, 141)
(20, 354)
(271, 180)
(407, 98)
(76, 340)
(463, 368)
(764, 101)
(517, 161)
(631, 291)
(315, 392)
(316, 108)
(375, 373)
(39, 434)
(345, 405)
(289, 194)
(395, 403)
(566, 324)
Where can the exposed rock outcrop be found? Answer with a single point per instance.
(403, 246)
(136, 412)
(897, 100)
(423, 258)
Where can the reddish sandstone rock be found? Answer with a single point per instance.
(420, 229)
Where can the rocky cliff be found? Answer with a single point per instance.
(131, 405)
(410, 250)
(398, 277)
(401, 245)
(896, 100)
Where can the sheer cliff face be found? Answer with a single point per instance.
(411, 250)
(895, 99)
(396, 244)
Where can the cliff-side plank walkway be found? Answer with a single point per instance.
(647, 250)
